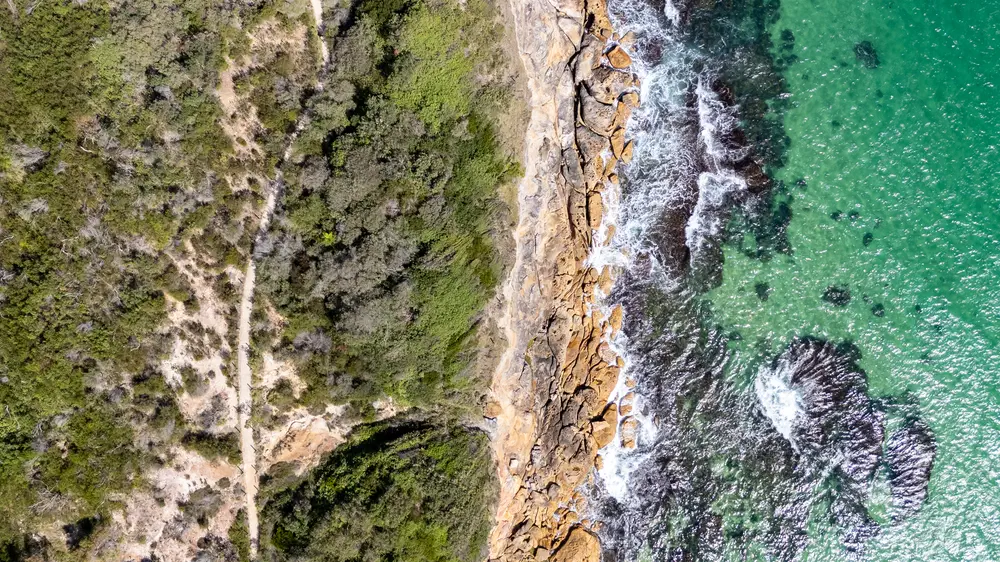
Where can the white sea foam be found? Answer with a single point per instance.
(781, 403)
(672, 13)
(680, 146)
(719, 183)
(663, 158)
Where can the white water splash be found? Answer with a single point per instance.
(680, 153)
(663, 161)
(672, 13)
(719, 183)
(781, 403)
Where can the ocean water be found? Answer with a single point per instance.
(886, 186)
(911, 147)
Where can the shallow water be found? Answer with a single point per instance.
(891, 176)
(911, 147)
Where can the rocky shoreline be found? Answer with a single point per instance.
(551, 390)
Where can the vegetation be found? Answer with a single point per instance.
(114, 158)
(239, 536)
(211, 446)
(413, 492)
(111, 156)
(383, 255)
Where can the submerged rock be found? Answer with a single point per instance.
(826, 397)
(878, 309)
(763, 291)
(787, 39)
(910, 455)
(865, 52)
(837, 295)
(866, 240)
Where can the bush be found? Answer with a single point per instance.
(214, 446)
(414, 492)
(383, 247)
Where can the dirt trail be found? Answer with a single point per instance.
(317, 7)
(248, 448)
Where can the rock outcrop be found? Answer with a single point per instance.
(551, 389)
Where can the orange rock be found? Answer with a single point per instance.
(492, 409)
(625, 405)
(618, 140)
(605, 281)
(600, 24)
(609, 168)
(622, 113)
(626, 155)
(580, 546)
(615, 319)
(631, 99)
(595, 209)
(619, 58)
(603, 433)
(628, 431)
(593, 173)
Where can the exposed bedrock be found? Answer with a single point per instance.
(550, 392)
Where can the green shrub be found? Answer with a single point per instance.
(414, 492)
(381, 257)
(214, 446)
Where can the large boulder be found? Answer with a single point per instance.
(619, 58)
(607, 84)
(599, 117)
(580, 546)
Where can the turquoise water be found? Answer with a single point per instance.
(908, 153)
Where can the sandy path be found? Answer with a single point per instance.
(317, 6)
(248, 448)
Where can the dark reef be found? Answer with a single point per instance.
(865, 52)
(910, 455)
(763, 291)
(837, 295)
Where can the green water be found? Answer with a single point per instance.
(919, 165)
